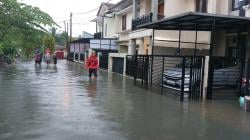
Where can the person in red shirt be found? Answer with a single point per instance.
(92, 65)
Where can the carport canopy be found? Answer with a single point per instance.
(199, 22)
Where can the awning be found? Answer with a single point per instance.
(199, 21)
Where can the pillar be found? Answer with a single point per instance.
(132, 47)
(154, 9)
(135, 10)
(141, 46)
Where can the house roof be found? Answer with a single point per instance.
(121, 5)
(107, 5)
(199, 21)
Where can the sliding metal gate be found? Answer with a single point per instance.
(227, 76)
(180, 75)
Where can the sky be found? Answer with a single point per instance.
(60, 10)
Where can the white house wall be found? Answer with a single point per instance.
(175, 7)
(111, 30)
(145, 7)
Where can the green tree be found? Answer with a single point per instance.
(22, 26)
(49, 42)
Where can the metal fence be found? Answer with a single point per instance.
(227, 76)
(180, 75)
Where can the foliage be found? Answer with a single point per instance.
(49, 42)
(22, 26)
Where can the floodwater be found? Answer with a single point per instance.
(60, 103)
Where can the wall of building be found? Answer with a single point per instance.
(123, 49)
(175, 7)
(223, 6)
(145, 7)
(111, 27)
(129, 20)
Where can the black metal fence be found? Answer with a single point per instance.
(180, 75)
(141, 20)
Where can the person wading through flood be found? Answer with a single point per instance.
(92, 65)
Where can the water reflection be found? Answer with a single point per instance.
(91, 88)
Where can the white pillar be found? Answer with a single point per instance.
(135, 9)
(90, 52)
(205, 77)
(154, 9)
(98, 57)
(85, 57)
(141, 46)
(124, 66)
(132, 47)
(110, 63)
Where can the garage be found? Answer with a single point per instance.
(226, 66)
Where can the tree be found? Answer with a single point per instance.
(22, 26)
(49, 42)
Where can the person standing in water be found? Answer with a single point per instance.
(47, 56)
(92, 65)
(54, 59)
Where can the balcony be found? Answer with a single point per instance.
(141, 20)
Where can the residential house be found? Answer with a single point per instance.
(104, 22)
(132, 39)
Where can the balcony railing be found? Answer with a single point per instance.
(141, 20)
(98, 35)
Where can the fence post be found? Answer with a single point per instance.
(162, 73)
(191, 79)
(135, 68)
(146, 71)
(183, 78)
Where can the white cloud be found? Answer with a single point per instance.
(60, 10)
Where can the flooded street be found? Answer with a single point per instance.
(60, 103)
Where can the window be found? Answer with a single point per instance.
(201, 6)
(161, 6)
(124, 22)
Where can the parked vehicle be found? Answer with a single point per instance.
(226, 77)
(223, 77)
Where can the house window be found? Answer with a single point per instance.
(161, 6)
(201, 6)
(124, 22)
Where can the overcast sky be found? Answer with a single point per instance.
(60, 10)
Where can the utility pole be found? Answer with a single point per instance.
(66, 34)
(65, 30)
(70, 26)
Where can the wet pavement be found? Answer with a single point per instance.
(60, 103)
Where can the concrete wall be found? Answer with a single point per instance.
(174, 7)
(118, 22)
(111, 28)
(123, 49)
(145, 7)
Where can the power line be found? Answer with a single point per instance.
(93, 10)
